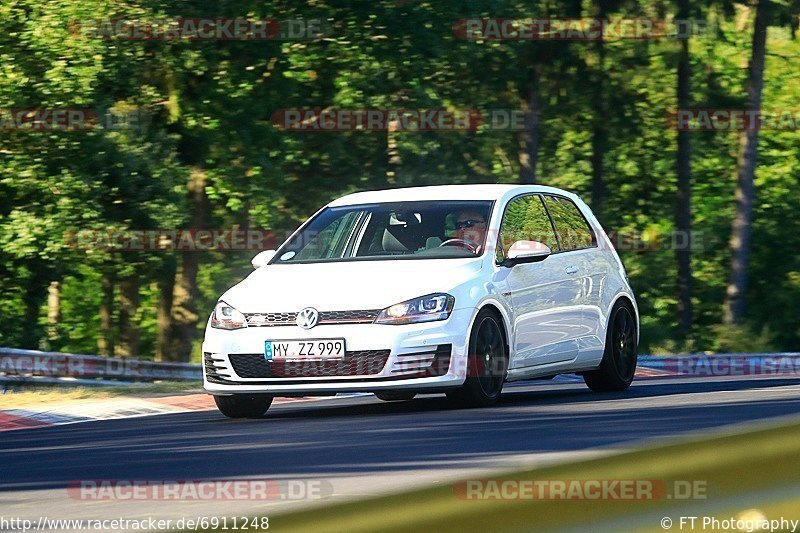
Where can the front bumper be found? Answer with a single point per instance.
(428, 356)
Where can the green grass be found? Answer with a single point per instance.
(738, 470)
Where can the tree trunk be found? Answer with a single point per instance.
(745, 173)
(683, 212)
(34, 298)
(105, 341)
(53, 310)
(184, 305)
(599, 128)
(166, 287)
(184, 310)
(392, 152)
(529, 137)
(128, 345)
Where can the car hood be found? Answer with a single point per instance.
(346, 285)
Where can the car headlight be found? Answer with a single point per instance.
(227, 317)
(423, 309)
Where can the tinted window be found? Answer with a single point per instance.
(526, 219)
(392, 230)
(573, 231)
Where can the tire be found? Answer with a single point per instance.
(487, 363)
(618, 365)
(243, 405)
(395, 396)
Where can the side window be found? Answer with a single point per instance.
(573, 231)
(525, 219)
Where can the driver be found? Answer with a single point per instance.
(471, 227)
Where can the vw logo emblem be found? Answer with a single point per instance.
(307, 318)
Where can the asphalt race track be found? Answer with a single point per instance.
(362, 446)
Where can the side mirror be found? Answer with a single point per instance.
(262, 258)
(527, 252)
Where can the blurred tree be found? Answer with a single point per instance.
(683, 211)
(745, 173)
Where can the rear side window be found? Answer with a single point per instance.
(526, 219)
(572, 229)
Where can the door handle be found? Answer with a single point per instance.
(571, 269)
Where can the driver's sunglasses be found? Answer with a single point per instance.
(464, 224)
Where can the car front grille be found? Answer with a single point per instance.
(270, 319)
(362, 316)
(354, 317)
(354, 363)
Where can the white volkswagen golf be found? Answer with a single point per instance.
(453, 289)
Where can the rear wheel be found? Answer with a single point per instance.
(487, 363)
(243, 405)
(395, 396)
(618, 366)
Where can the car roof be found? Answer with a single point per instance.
(446, 192)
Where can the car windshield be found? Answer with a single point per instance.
(401, 230)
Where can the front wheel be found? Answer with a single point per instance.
(243, 405)
(487, 363)
(618, 366)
